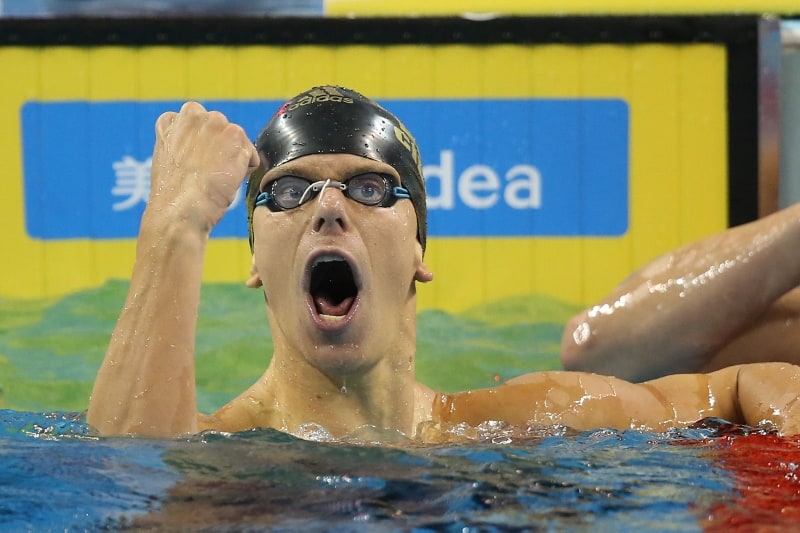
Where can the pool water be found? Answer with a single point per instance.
(56, 476)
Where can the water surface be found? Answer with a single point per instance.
(56, 476)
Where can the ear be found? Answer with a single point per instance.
(254, 281)
(422, 274)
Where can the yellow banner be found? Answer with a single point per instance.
(677, 177)
(557, 7)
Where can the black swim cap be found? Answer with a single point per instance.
(335, 120)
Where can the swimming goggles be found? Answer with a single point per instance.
(289, 192)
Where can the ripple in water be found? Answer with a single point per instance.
(56, 476)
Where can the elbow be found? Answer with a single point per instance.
(576, 344)
(583, 349)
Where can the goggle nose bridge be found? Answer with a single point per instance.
(319, 187)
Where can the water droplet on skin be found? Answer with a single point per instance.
(581, 334)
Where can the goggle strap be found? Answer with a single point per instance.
(262, 198)
(400, 192)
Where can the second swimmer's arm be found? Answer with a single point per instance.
(676, 312)
(745, 394)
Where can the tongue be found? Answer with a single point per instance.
(326, 307)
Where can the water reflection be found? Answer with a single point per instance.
(56, 475)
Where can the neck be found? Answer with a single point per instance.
(378, 389)
(379, 398)
(374, 385)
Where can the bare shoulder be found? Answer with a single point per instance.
(246, 411)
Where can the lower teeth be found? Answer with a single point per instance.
(331, 318)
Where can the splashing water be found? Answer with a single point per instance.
(57, 476)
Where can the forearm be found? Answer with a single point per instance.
(688, 303)
(589, 401)
(146, 384)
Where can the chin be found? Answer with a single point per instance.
(340, 360)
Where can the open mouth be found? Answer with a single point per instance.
(332, 287)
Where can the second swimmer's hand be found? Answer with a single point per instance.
(199, 162)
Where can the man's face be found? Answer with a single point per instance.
(339, 275)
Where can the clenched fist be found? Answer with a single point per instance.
(199, 162)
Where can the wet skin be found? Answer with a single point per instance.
(340, 364)
(378, 244)
(730, 298)
(346, 360)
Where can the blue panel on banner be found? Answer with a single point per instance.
(536, 167)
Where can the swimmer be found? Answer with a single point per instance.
(337, 219)
(731, 298)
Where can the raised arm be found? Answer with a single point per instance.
(747, 394)
(683, 309)
(146, 384)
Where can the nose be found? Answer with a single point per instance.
(330, 214)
